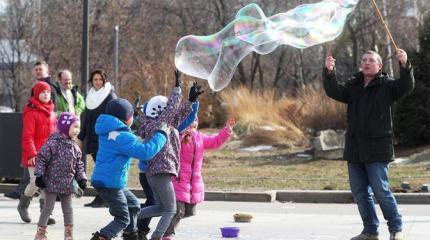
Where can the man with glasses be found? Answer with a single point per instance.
(69, 99)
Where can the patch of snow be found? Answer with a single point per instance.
(258, 148)
(303, 155)
(267, 128)
(401, 160)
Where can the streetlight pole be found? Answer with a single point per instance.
(85, 48)
(117, 83)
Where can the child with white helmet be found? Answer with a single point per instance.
(165, 164)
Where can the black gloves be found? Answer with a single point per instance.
(195, 91)
(40, 183)
(82, 184)
(178, 82)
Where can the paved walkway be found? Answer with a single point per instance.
(272, 221)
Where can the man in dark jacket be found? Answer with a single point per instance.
(370, 95)
(41, 73)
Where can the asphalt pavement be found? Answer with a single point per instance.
(271, 221)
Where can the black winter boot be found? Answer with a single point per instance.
(142, 234)
(98, 202)
(99, 236)
(130, 236)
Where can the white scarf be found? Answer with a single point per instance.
(96, 97)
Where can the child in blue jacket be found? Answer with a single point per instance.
(117, 144)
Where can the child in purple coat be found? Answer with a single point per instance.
(58, 164)
(165, 164)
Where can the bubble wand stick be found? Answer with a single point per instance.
(385, 24)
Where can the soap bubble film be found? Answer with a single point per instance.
(215, 57)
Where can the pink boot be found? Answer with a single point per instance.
(41, 233)
(68, 232)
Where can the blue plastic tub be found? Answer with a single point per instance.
(230, 232)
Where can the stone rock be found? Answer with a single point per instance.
(329, 144)
(405, 186)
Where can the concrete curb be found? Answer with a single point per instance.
(303, 196)
(298, 196)
(307, 196)
(268, 196)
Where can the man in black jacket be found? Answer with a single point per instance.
(41, 73)
(370, 95)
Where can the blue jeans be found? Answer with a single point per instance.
(365, 178)
(124, 206)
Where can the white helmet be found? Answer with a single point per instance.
(155, 106)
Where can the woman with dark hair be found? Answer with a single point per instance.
(100, 93)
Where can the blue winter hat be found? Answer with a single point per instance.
(120, 108)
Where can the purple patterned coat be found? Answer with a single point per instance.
(167, 160)
(59, 162)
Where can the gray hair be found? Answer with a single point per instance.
(62, 71)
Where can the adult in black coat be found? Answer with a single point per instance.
(100, 93)
(370, 95)
(41, 73)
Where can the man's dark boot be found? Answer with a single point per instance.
(23, 204)
(99, 236)
(142, 235)
(98, 202)
(130, 236)
(51, 221)
(13, 195)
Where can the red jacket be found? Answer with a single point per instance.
(39, 122)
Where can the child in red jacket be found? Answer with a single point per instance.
(189, 186)
(39, 122)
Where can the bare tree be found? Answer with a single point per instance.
(149, 31)
(15, 55)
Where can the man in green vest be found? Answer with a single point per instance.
(69, 99)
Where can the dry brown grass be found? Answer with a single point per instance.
(262, 118)
(265, 119)
(321, 112)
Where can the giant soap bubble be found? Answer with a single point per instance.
(215, 57)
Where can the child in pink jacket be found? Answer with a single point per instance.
(189, 186)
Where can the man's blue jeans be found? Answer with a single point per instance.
(124, 206)
(365, 178)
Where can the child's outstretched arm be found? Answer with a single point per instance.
(184, 110)
(190, 118)
(212, 142)
(145, 150)
(173, 103)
